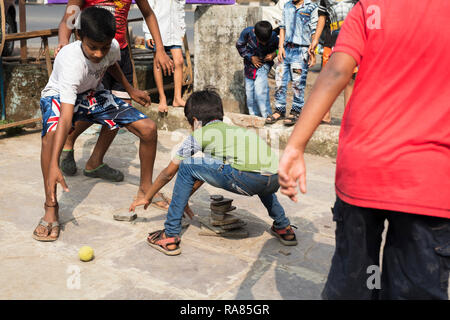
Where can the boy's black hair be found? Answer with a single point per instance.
(205, 105)
(263, 30)
(97, 24)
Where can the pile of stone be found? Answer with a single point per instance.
(220, 222)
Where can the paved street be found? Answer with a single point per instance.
(125, 267)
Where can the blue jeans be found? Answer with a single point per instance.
(294, 67)
(221, 175)
(257, 90)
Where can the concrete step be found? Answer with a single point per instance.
(324, 141)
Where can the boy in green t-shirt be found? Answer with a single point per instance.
(235, 159)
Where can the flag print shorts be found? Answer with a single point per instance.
(100, 107)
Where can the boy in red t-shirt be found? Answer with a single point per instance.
(95, 167)
(393, 160)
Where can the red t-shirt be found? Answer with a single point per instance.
(394, 144)
(120, 9)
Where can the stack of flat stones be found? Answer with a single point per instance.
(221, 222)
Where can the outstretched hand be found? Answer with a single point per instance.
(292, 173)
(281, 54)
(143, 202)
(313, 46)
(140, 202)
(162, 61)
(141, 97)
(55, 176)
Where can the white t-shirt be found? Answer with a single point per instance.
(73, 73)
(170, 16)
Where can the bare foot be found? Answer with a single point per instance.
(178, 103)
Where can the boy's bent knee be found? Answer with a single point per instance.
(147, 129)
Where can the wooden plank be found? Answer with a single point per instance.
(135, 81)
(19, 123)
(169, 86)
(188, 75)
(31, 34)
(23, 28)
(48, 59)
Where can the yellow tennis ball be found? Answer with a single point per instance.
(86, 253)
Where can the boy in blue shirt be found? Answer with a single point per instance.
(297, 29)
(258, 45)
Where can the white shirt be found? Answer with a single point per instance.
(274, 14)
(170, 16)
(73, 73)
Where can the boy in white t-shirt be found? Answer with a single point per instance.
(170, 15)
(74, 93)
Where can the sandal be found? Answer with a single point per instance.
(160, 198)
(53, 229)
(271, 119)
(156, 240)
(292, 119)
(283, 234)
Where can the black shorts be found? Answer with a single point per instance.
(116, 87)
(415, 262)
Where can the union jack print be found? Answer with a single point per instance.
(91, 99)
(52, 122)
(110, 123)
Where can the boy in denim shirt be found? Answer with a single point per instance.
(258, 45)
(297, 28)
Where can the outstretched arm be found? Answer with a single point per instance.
(62, 131)
(139, 96)
(330, 83)
(318, 33)
(163, 178)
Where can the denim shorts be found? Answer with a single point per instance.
(415, 259)
(100, 107)
(166, 48)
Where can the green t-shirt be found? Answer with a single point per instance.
(243, 149)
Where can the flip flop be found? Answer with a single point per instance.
(67, 163)
(52, 228)
(105, 172)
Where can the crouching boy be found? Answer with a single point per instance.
(74, 93)
(234, 159)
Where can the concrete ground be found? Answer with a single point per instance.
(125, 267)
